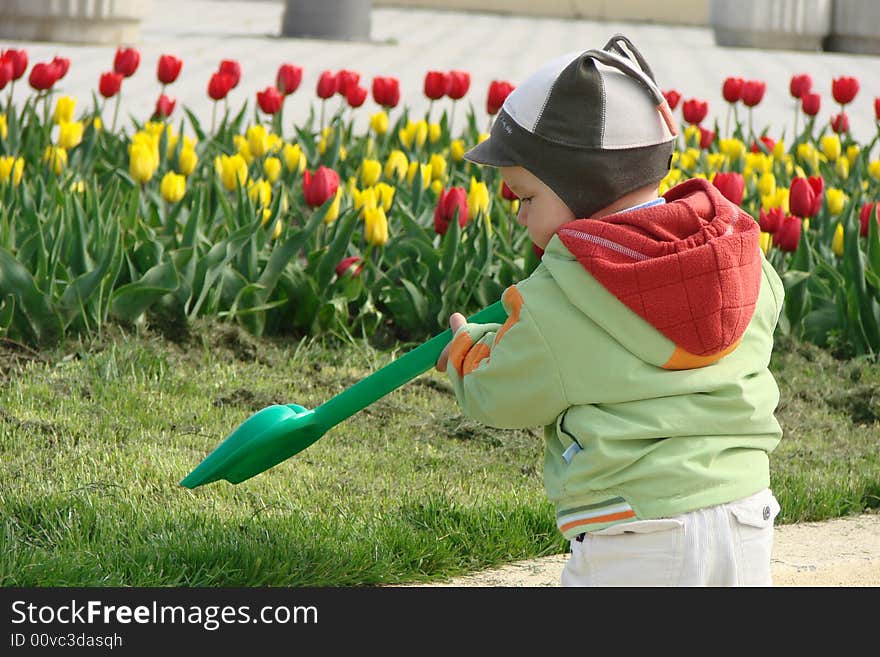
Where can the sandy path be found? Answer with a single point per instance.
(839, 552)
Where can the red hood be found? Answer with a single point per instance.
(690, 267)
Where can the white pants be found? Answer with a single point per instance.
(724, 545)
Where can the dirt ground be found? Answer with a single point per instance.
(839, 552)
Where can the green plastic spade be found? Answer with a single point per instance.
(277, 432)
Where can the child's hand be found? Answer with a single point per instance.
(456, 321)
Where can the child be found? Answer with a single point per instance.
(640, 342)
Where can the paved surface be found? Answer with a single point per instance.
(409, 42)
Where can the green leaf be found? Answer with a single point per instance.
(34, 314)
(78, 293)
(341, 239)
(130, 301)
(197, 127)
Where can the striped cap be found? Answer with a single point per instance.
(592, 125)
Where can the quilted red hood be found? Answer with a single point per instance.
(690, 267)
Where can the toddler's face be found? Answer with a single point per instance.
(541, 211)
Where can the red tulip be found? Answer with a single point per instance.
(386, 91)
(348, 265)
(672, 98)
(19, 61)
(499, 90)
(270, 100)
(126, 61)
(753, 92)
(62, 64)
(800, 85)
(346, 79)
(733, 89)
(6, 70)
(868, 210)
(459, 83)
(805, 196)
(789, 234)
(840, 123)
(436, 84)
(877, 108)
(507, 192)
(452, 199)
(771, 220)
(320, 187)
(694, 111)
(168, 68)
(165, 106)
(706, 137)
(327, 85)
(731, 185)
(356, 95)
(110, 83)
(844, 89)
(231, 68)
(288, 78)
(219, 85)
(43, 76)
(810, 103)
(768, 144)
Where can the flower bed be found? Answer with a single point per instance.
(310, 226)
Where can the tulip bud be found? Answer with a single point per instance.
(327, 85)
(844, 89)
(356, 95)
(260, 193)
(70, 134)
(396, 165)
(64, 109)
(800, 85)
(868, 210)
(386, 91)
(831, 147)
(459, 83)
(438, 166)
(771, 219)
(478, 198)
(270, 100)
(187, 161)
(375, 226)
(19, 61)
(294, 158)
(126, 61)
(62, 65)
(231, 68)
(437, 84)
(6, 69)
(732, 89)
(837, 241)
(345, 80)
(753, 92)
(219, 86)
(452, 201)
(456, 150)
(165, 106)
(694, 111)
(810, 103)
(43, 76)
(801, 197)
(109, 84)
(11, 169)
(233, 171)
(288, 78)
(56, 158)
(499, 90)
(836, 200)
(172, 187)
(351, 265)
(789, 234)
(371, 170)
(379, 123)
(507, 193)
(706, 137)
(385, 193)
(272, 168)
(321, 186)
(142, 162)
(168, 68)
(731, 185)
(877, 108)
(840, 123)
(672, 98)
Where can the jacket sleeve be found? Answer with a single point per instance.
(505, 375)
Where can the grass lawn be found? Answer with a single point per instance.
(94, 439)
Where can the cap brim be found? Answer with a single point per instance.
(491, 153)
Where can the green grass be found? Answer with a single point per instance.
(95, 438)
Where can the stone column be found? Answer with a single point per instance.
(73, 21)
(327, 19)
(771, 24)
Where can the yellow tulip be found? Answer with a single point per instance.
(842, 168)
(438, 167)
(260, 192)
(376, 226)
(78, 187)
(98, 124)
(371, 171)
(874, 169)
(243, 148)
(415, 167)
(4, 129)
(734, 149)
(385, 193)
(692, 135)
(156, 128)
(396, 166)
(808, 154)
(837, 240)
(414, 134)
(188, 142)
(434, 133)
(379, 123)
(477, 198)
(142, 161)
(173, 187)
(274, 143)
(258, 140)
(11, 169)
(232, 169)
(333, 211)
(758, 162)
(56, 158)
(437, 187)
(272, 168)
(671, 180)
(831, 147)
(70, 134)
(852, 152)
(766, 241)
(456, 150)
(64, 108)
(779, 150)
(689, 158)
(276, 230)
(715, 161)
(836, 199)
(186, 164)
(777, 200)
(365, 200)
(294, 159)
(767, 184)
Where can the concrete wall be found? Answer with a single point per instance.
(681, 12)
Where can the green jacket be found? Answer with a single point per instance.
(647, 411)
